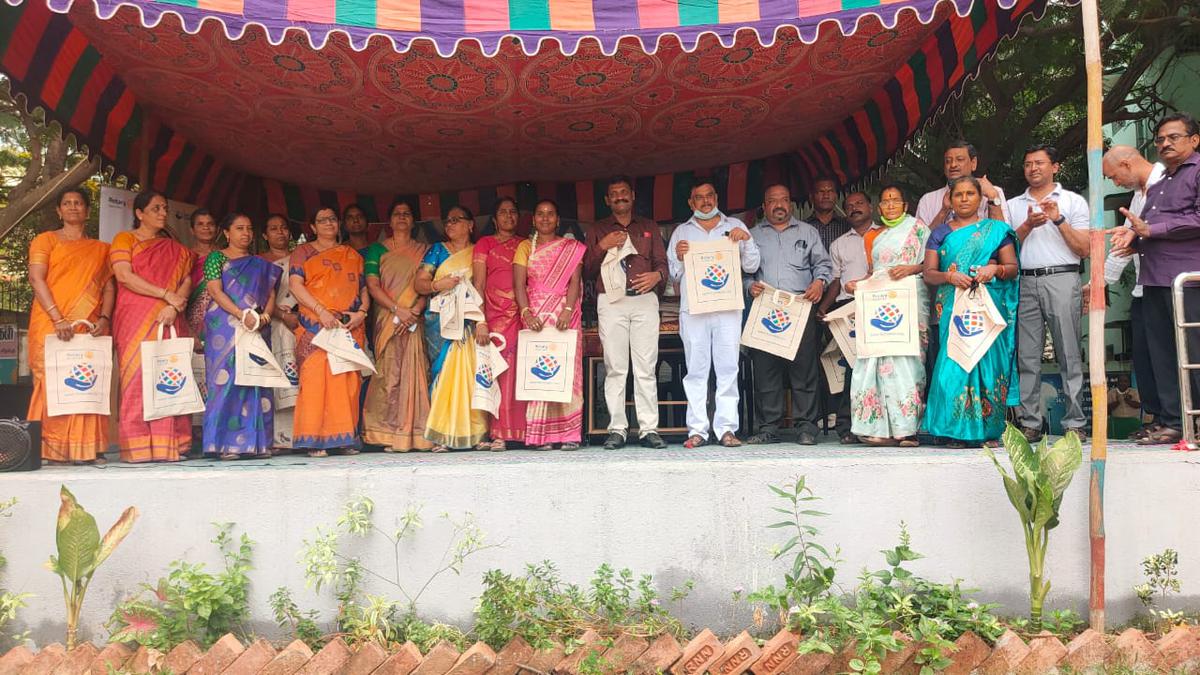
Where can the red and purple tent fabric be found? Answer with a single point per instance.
(286, 104)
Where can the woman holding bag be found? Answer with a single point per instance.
(72, 283)
(546, 278)
(241, 291)
(152, 271)
(397, 402)
(970, 253)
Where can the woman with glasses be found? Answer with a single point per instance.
(153, 284)
(397, 402)
(326, 277)
(493, 276)
(452, 423)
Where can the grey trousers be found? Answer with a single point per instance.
(1052, 301)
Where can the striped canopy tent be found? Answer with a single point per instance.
(283, 105)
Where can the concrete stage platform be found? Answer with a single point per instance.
(677, 514)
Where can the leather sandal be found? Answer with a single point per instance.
(1164, 436)
(694, 442)
(729, 440)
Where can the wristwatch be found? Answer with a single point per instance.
(1059, 220)
(995, 201)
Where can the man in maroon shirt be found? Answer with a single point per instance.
(1167, 240)
(628, 316)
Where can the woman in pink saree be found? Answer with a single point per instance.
(546, 281)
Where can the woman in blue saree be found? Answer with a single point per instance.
(969, 251)
(241, 289)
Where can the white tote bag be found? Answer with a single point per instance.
(546, 364)
(834, 365)
(283, 345)
(343, 351)
(842, 324)
(612, 270)
(776, 323)
(200, 373)
(888, 312)
(974, 324)
(489, 364)
(254, 363)
(78, 374)
(712, 272)
(169, 385)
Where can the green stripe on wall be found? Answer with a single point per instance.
(80, 74)
(9, 18)
(755, 173)
(599, 193)
(295, 203)
(920, 65)
(128, 136)
(681, 191)
(876, 120)
(356, 12)
(698, 12)
(180, 165)
(448, 200)
(528, 14)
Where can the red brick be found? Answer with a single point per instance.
(969, 651)
(1009, 652)
(510, 658)
(219, 656)
(1180, 648)
(739, 654)
(1089, 649)
(1045, 650)
(893, 662)
(182, 657)
(812, 663)
(477, 660)
(699, 654)
(658, 657)
(77, 661)
(589, 643)
(621, 655)
(141, 660)
(114, 654)
(1132, 648)
(366, 658)
(255, 658)
(777, 654)
(292, 658)
(544, 660)
(45, 660)
(841, 660)
(332, 656)
(438, 661)
(403, 662)
(16, 658)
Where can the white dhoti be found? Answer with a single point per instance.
(711, 341)
(629, 328)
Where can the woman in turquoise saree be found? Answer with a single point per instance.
(970, 407)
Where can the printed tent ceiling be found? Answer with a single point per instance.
(283, 105)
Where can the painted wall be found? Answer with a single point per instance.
(677, 514)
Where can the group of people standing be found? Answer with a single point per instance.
(407, 301)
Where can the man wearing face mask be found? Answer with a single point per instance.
(792, 260)
(710, 341)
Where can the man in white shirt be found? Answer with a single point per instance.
(961, 159)
(1127, 168)
(712, 340)
(1054, 238)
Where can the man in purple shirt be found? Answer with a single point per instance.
(1167, 239)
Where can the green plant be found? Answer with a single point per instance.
(539, 607)
(1162, 579)
(10, 603)
(302, 625)
(1035, 489)
(81, 551)
(190, 603)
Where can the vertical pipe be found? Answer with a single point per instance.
(1096, 366)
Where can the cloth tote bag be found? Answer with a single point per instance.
(489, 364)
(776, 323)
(712, 271)
(974, 324)
(546, 365)
(78, 374)
(343, 351)
(834, 365)
(888, 323)
(254, 363)
(842, 324)
(283, 345)
(169, 385)
(612, 270)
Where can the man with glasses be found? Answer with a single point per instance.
(1167, 239)
(1054, 238)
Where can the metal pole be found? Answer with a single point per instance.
(1096, 367)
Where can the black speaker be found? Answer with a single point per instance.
(20, 445)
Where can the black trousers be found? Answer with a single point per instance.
(1147, 386)
(801, 376)
(1158, 317)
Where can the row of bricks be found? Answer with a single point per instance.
(1178, 650)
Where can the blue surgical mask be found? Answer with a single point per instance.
(705, 215)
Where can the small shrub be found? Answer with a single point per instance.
(299, 624)
(1162, 581)
(10, 603)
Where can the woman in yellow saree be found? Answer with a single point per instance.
(71, 283)
(452, 424)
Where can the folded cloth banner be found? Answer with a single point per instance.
(842, 324)
(612, 270)
(776, 323)
(283, 346)
(888, 311)
(546, 364)
(974, 324)
(200, 373)
(455, 307)
(712, 273)
(78, 377)
(254, 363)
(343, 351)
(169, 386)
(834, 365)
(489, 364)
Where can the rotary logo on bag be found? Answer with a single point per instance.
(289, 370)
(887, 317)
(486, 378)
(777, 321)
(969, 323)
(715, 277)
(171, 381)
(83, 376)
(545, 367)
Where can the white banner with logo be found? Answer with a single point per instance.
(116, 215)
(974, 324)
(887, 317)
(546, 364)
(168, 383)
(489, 364)
(842, 325)
(712, 272)
(776, 323)
(78, 375)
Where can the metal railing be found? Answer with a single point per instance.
(1188, 407)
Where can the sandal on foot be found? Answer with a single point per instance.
(230, 456)
(694, 442)
(569, 446)
(439, 448)
(1164, 436)
(317, 453)
(729, 440)
(875, 441)
(909, 442)
(955, 444)
(498, 445)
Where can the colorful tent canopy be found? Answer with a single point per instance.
(282, 105)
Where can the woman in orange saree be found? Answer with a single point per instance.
(153, 283)
(71, 283)
(327, 280)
